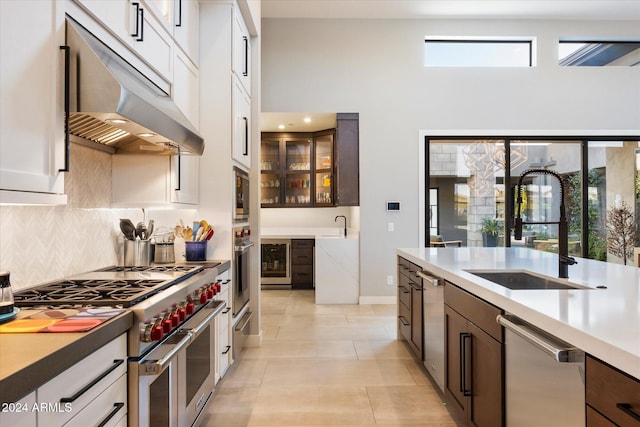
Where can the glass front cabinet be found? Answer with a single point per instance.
(297, 169)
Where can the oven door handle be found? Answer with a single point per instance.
(194, 332)
(243, 248)
(155, 367)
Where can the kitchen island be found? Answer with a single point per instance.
(604, 322)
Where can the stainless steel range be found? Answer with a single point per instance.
(171, 345)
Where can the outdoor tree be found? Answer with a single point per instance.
(622, 231)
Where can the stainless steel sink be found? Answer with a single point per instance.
(520, 280)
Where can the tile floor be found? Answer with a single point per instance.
(326, 365)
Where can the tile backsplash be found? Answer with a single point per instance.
(43, 243)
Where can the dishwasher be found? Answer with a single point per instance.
(544, 377)
(433, 317)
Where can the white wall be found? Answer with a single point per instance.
(374, 67)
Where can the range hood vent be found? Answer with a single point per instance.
(116, 106)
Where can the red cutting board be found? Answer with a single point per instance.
(74, 325)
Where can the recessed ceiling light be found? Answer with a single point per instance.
(280, 126)
(307, 119)
(146, 134)
(118, 121)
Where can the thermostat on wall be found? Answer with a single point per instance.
(393, 206)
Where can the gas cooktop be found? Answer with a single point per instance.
(113, 287)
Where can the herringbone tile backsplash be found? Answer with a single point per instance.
(43, 243)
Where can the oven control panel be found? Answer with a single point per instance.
(163, 323)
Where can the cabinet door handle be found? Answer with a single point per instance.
(116, 407)
(141, 39)
(626, 408)
(404, 290)
(95, 381)
(246, 56)
(245, 151)
(179, 174)
(227, 350)
(227, 310)
(179, 24)
(67, 140)
(463, 363)
(404, 321)
(137, 5)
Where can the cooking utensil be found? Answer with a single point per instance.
(199, 234)
(209, 234)
(150, 228)
(187, 233)
(128, 229)
(141, 230)
(196, 227)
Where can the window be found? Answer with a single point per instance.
(478, 53)
(598, 53)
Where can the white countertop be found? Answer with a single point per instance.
(602, 322)
(306, 233)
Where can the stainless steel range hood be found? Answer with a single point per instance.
(116, 106)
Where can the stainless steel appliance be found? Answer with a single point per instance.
(433, 317)
(115, 107)
(171, 345)
(544, 377)
(241, 278)
(275, 270)
(241, 196)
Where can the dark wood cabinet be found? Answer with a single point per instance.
(474, 380)
(302, 263)
(410, 300)
(347, 159)
(311, 169)
(611, 396)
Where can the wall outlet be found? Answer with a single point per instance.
(390, 280)
(390, 226)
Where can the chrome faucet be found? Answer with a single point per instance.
(345, 223)
(564, 260)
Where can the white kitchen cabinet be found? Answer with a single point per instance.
(241, 48)
(91, 389)
(32, 136)
(186, 28)
(152, 181)
(186, 88)
(241, 137)
(20, 413)
(154, 44)
(138, 29)
(223, 343)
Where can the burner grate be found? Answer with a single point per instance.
(120, 292)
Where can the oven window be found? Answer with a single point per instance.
(199, 356)
(159, 403)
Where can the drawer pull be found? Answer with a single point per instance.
(116, 407)
(227, 350)
(404, 321)
(227, 310)
(95, 381)
(404, 290)
(626, 408)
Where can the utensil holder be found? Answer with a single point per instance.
(137, 253)
(196, 251)
(163, 253)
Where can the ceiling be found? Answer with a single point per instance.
(626, 10)
(294, 122)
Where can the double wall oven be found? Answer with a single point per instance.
(171, 346)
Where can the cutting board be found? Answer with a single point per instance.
(63, 320)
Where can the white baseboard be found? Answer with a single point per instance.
(379, 300)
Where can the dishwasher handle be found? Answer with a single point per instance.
(429, 279)
(559, 350)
